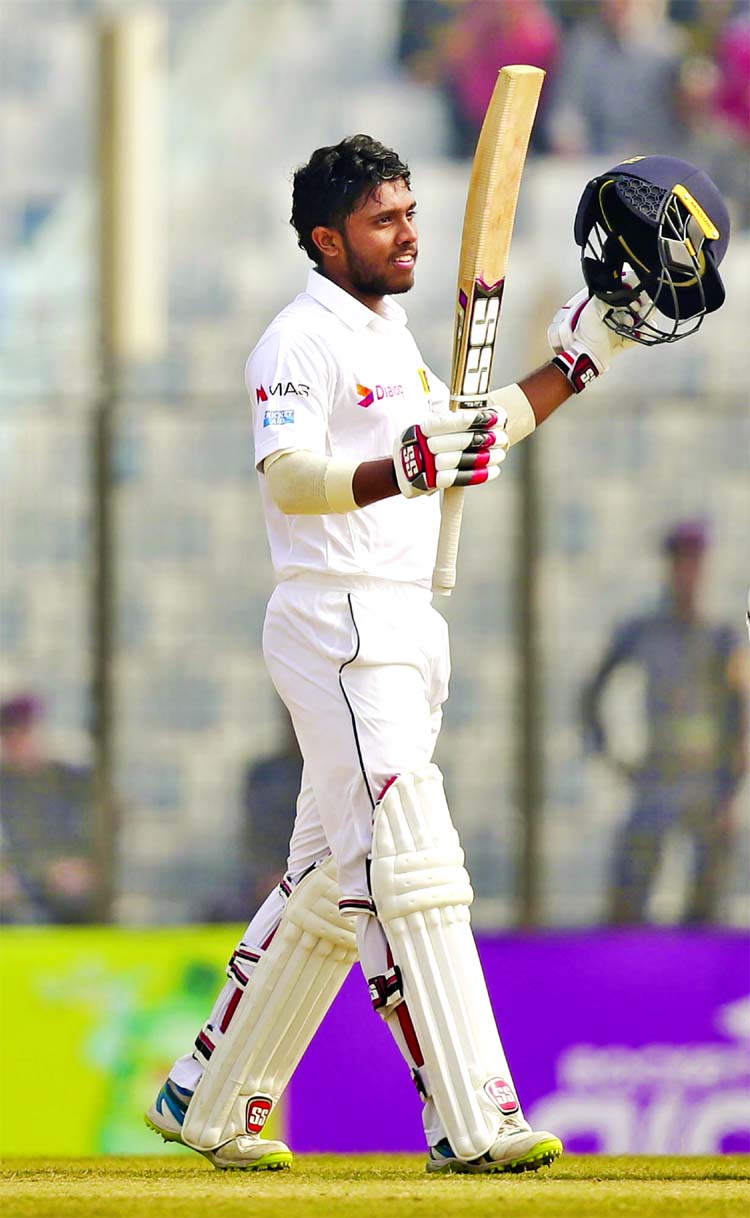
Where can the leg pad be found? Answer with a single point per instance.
(422, 893)
(293, 984)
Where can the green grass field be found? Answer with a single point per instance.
(395, 1186)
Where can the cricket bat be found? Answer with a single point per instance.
(488, 227)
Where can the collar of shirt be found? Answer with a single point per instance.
(347, 308)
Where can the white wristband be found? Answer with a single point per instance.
(304, 484)
(337, 484)
(521, 420)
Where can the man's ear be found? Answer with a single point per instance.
(328, 241)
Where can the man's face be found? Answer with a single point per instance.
(19, 744)
(378, 244)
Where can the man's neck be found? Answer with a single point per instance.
(686, 611)
(375, 303)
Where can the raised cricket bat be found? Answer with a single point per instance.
(488, 227)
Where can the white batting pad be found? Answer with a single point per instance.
(292, 987)
(422, 894)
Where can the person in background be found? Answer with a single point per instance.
(423, 26)
(48, 868)
(269, 799)
(617, 85)
(267, 802)
(714, 99)
(476, 44)
(695, 750)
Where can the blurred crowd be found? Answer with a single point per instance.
(623, 76)
(49, 866)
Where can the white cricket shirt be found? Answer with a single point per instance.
(331, 376)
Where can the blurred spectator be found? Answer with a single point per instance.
(461, 47)
(422, 27)
(48, 870)
(268, 800)
(704, 20)
(695, 749)
(732, 98)
(616, 92)
(715, 101)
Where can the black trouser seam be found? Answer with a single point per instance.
(349, 705)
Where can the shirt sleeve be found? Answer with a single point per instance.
(291, 387)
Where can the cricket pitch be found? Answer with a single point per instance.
(333, 1186)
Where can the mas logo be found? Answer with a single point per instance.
(281, 390)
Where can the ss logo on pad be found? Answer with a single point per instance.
(257, 1113)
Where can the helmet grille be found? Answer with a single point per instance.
(644, 198)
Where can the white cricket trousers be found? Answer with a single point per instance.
(363, 669)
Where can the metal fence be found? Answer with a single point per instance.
(192, 704)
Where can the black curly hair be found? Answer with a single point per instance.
(331, 185)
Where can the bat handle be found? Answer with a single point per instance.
(444, 575)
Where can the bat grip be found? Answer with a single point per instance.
(444, 575)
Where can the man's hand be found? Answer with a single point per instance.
(463, 447)
(583, 344)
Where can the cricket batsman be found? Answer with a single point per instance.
(354, 437)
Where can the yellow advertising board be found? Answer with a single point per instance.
(91, 1019)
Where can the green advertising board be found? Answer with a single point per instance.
(91, 1020)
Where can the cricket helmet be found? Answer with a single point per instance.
(654, 224)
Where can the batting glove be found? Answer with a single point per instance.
(455, 448)
(584, 346)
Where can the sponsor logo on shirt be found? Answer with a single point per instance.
(277, 418)
(280, 390)
(379, 392)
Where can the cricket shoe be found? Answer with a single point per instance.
(248, 1152)
(518, 1148)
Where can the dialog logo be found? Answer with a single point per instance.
(378, 393)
